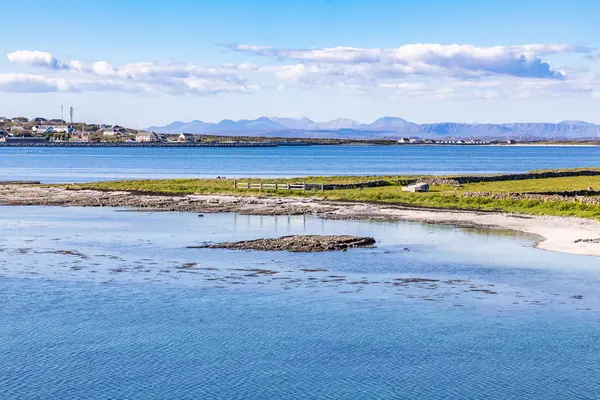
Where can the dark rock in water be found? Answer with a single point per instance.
(297, 243)
(587, 241)
(200, 215)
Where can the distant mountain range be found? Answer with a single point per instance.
(385, 127)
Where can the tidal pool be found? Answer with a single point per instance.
(103, 303)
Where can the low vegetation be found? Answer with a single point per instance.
(439, 196)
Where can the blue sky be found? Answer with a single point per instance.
(144, 63)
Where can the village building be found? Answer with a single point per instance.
(20, 120)
(404, 141)
(147, 137)
(417, 187)
(82, 137)
(63, 129)
(186, 137)
(18, 130)
(109, 132)
(43, 129)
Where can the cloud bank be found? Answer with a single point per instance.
(133, 78)
(412, 70)
(430, 59)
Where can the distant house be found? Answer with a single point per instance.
(404, 141)
(63, 129)
(417, 187)
(109, 132)
(147, 137)
(39, 120)
(43, 129)
(20, 120)
(57, 121)
(186, 137)
(19, 130)
(4, 120)
(83, 137)
(511, 141)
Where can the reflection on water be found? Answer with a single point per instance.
(101, 304)
(411, 261)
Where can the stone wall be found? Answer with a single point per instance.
(343, 186)
(536, 196)
(460, 180)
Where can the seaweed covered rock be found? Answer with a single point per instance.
(297, 243)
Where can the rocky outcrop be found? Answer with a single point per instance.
(297, 243)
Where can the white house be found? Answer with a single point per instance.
(147, 137)
(417, 187)
(186, 137)
(404, 140)
(109, 132)
(63, 129)
(43, 129)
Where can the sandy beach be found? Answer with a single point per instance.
(562, 234)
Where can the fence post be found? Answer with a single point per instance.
(261, 188)
(322, 187)
(235, 183)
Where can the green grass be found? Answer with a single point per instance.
(535, 185)
(445, 197)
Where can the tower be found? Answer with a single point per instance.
(71, 110)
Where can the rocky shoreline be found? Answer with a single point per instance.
(570, 235)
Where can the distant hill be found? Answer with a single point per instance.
(384, 127)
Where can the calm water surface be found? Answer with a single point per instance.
(99, 303)
(95, 164)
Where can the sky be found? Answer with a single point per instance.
(140, 63)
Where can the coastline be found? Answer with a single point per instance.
(561, 234)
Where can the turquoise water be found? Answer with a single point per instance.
(94, 164)
(99, 303)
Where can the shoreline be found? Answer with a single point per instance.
(561, 234)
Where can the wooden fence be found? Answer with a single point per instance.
(275, 186)
(309, 186)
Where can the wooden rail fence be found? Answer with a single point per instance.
(309, 186)
(275, 186)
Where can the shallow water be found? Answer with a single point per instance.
(95, 164)
(99, 303)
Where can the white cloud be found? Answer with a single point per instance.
(427, 59)
(30, 83)
(134, 77)
(37, 59)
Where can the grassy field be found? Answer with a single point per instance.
(440, 196)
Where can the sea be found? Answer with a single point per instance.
(73, 164)
(105, 303)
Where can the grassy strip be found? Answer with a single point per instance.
(443, 197)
